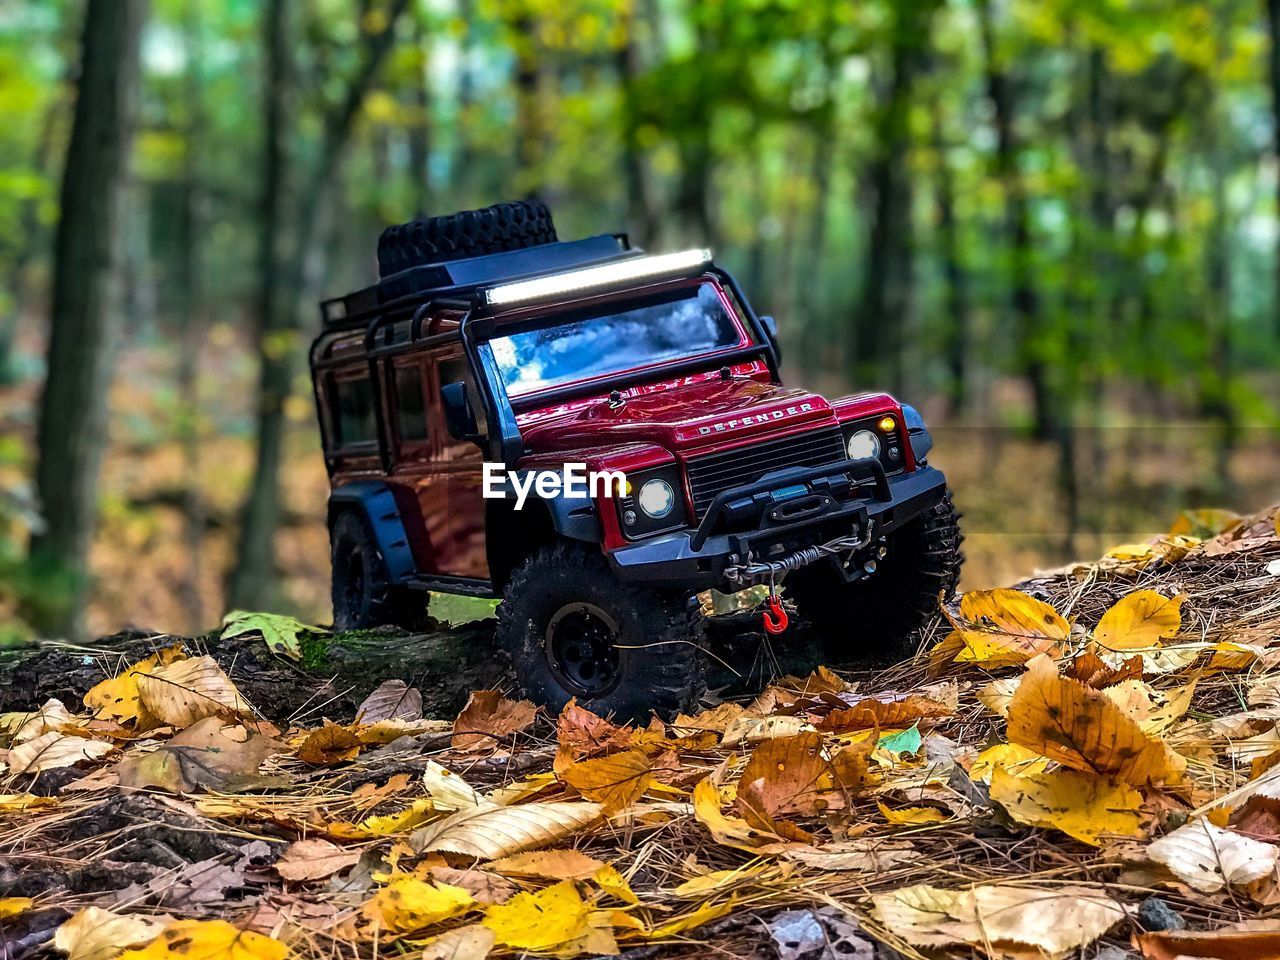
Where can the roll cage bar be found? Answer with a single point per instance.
(477, 326)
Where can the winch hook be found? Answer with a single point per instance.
(775, 617)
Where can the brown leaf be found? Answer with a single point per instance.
(207, 755)
(582, 733)
(487, 718)
(392, 700)
(485, 887)
(97, 934)
(185, 691)
(314, 860)
(328, 745)
(878, 713)
(549, 865)
(488, 833)
(787, 775)
(1093, 672)
(615, 781)
(1083, 729)
(1210, 945)
(53, 750)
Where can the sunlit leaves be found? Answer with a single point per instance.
(1082, 805)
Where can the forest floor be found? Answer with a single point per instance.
(1087, 766)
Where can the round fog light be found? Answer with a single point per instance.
(629, 518)
(862, 445)
(657, 498)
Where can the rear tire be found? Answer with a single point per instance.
(363, 595)
(875, 620)
(470, 233)
(572, 630)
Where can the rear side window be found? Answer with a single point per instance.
(410, 406)
(356, 422)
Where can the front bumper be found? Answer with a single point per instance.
(698, 558)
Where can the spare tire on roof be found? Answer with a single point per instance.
(470, 233)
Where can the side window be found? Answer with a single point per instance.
(356, 422)
(411, 408)
(455, 368)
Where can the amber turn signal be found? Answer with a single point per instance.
(886, 424)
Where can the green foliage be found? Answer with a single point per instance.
(455, 610)
(282, 635)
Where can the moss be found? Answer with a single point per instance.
(315, 650)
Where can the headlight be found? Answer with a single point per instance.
(657, 498)
(863, 444)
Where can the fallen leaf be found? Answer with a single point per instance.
(407, 904)
(540, 920)
(731, 831)
(485, 887)
(281, 634)
(1208, 858)
(995, 696)
(1083, 729)
(1141, 619)
(208, 940)
(185, 691)
(1210, 945)
(117, 697)
(14, 906)
(1056, 919)
(1081, 805)
(329, 745)
(314, 859)
(877, 713)
(789, 774)
(472, 942)
(492, 832)
(1013, 758)
(614, 781)
(388, 824)
(53, 750)
(863, 855)
(718, 881)
(448, 790)
(488, 718)
(97, 934)
(581, 733)
(754, 729)
(549, 865)
(207, 755)
(391, 700)
(913, 816)
(1009, 628)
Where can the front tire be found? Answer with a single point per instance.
(573, 631)
(875, 620)
(363, 595)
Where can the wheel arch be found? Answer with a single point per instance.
(375, 502)
(511, 535)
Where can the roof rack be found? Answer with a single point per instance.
(459, 277)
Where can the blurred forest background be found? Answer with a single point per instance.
(1051, 224)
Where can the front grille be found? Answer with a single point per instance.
(714, 473)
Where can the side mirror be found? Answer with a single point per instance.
(771, 328)
(459, 418)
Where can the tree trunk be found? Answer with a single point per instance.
(1024, 300)
(283, 280)
(86, 291)
(886, 298)
(1273, 24)
(642, 215)
(953, 272)
(419, 132)
(252, 580)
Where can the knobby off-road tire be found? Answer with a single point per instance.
(563, 605)
(471, 233)
(875, 620)
(363, 595)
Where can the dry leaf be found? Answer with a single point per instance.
(1210, 945)
(995, 696)
(314, 860)
(182, 692)
(870, 713)
(488, 718)
(1081, 805)
(207, 755)
(731, 831)
(1208, 858)
(472, 942)
(1082, 728)
(53, 750)
(549, 865)
(391, 700)
(541, 920)
(863, 855)
(386, 825)
(491, 832)
(913, 816)
(788, 774)
(615, 781)
(1055, 919)
(1009, 628)
(581, 733)
(208, 940)
(117, 698)
(96, 934)
(1141, 619)
(407, 904)
(329, 745)
(448, 790)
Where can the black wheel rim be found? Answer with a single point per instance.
(582, 647)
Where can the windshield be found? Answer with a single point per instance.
(686, 324)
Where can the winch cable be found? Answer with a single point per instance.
(760, 571)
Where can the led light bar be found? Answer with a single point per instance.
(605, 275)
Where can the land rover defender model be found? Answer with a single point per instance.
(490, 349)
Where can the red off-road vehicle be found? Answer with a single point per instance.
(488, 340)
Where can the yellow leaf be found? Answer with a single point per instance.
(53, 750)
(21, 802)
(609, 880)
(97, 934)
(208, 940)
(1081, 805)
(448, 790)
(1012, 758)
(913, 816)
(1141, 619)
(385, 825)
(1208, 858)
(490, 832)
(185, 691)
(1204, 523)
(117, 697)
(731, 831)
(328, 745)
(1011, 628)
(720, 880)
(13, 906)
(615, 781)
(1083, 729)
(1155, 711)
(995, 696)
(407, 904)
(703, 914)
(541, 920)
(1057, 920)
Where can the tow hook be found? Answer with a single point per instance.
(775, 617)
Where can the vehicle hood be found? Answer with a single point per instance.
(683, 417)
